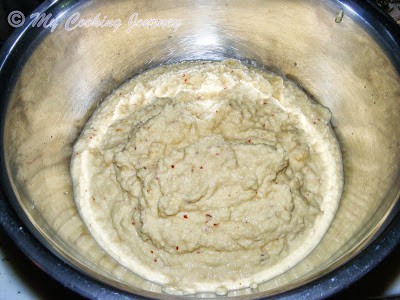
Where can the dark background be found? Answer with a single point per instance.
(372, 286)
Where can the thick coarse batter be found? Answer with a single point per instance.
(208, 176)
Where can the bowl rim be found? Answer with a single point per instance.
(15, 224)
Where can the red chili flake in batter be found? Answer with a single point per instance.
(249, 141)
(152, 251)
(201, 167)
(185, 216)
(172, 166)
(155, 260)
(177, 248)
(216, 224)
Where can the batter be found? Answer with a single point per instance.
(208, 176)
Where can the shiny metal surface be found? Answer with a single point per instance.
(63, 75)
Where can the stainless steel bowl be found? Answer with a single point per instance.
(345, 54)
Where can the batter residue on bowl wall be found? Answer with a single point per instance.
(208, 176)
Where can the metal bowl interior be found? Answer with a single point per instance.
(63, 75)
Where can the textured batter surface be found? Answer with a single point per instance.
(208, 176)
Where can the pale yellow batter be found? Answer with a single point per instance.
(208, 176)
